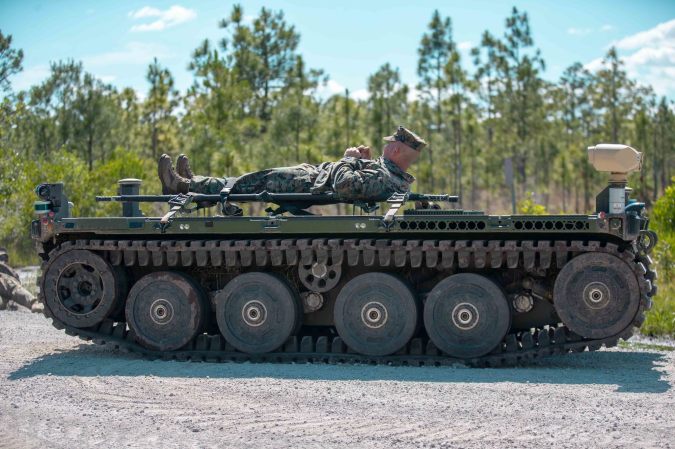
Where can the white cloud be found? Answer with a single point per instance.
(167, 18)
(359, 94)
(579, 31)
(652, 60)
(594, 65)
(145, 11)
(663, 32)
(661, 56)
(607, 27)
(30, 77)
(413, 93)
(649, 57)
(332, 87)
(466, 45)
(134, 53)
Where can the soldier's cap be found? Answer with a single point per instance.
(407, 137)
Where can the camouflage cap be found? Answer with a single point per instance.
(407, 137)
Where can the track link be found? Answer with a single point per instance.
(515, 348)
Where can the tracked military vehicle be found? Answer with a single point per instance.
(415, 285)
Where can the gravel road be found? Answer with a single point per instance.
(58, 392)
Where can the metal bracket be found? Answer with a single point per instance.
(178, 203)
(225, 193)
(367, 207)
(396, 200)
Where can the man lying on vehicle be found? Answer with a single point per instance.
(354, 177)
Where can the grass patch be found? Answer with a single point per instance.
(660, 320)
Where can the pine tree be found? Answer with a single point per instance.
(387, 102)
(11, 61)
(434, 52)
(158, 108)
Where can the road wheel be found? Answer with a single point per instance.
(81, 289)
(257, 312)
(376, 314)
(466, 315)
(165, 310)
(596, 295)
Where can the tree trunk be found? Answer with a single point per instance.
(90, 150)
(587, 188)
(154, 141)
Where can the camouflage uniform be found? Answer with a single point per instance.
(351, 178)
(11, 290)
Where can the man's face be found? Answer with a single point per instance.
(409, 154)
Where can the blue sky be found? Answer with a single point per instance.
(116, 40)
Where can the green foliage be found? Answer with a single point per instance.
(663, 214)
(10, 61)
(661, 319)
(22, 175)
(529, 206)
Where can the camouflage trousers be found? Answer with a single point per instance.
(296, 179)
(12, 290)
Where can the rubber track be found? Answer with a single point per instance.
(515, 348)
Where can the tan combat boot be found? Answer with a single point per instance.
(37, 307)
(183, 167)
(172, 183)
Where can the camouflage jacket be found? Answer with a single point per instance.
(9, 271)
(362, 179)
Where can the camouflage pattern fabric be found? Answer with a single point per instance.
(407, 137)
(9, 271)
(12, 290)
(351, 178)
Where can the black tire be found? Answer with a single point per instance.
(257, 312)
(376, 314)
(467, 315)
(596, 295)
(165, 310)
(81, 289)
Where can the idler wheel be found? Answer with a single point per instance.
(319, 277)
(376, 314)
(81, 289)
(257, 312)
(466, 315)
(165, 310)
(596, 295)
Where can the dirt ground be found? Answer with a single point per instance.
(59, 392)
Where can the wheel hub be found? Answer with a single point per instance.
(254, 313)
(523, 303)
(374, 314)
(465, 316)
(319, 270)
(161, 311)
(319, 277)
(79, 287)
(596, 295)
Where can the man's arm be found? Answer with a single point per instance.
(351, 181)
(360, 152)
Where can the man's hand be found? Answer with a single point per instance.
(360, 152)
